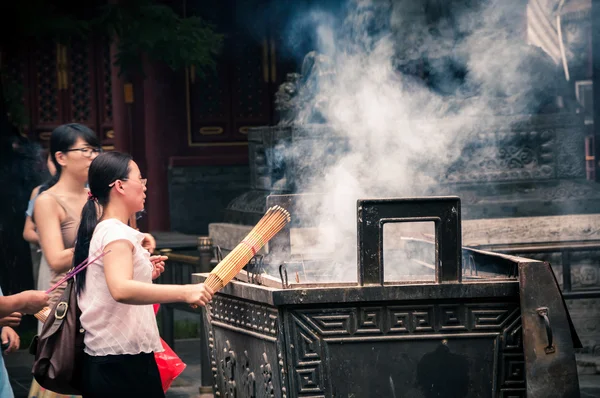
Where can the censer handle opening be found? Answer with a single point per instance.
(374, 213)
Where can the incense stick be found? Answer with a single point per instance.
(270, 224)
(42, 315)
(75, 270)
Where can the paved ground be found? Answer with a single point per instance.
(187, 384)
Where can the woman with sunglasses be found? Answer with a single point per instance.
(116, 292)
(57, 210)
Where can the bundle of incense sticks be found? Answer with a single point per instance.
(272, 222)
(43, 314)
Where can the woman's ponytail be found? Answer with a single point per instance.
(87, 225)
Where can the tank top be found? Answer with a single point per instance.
(68, 230)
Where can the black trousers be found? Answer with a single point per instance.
(121, 376)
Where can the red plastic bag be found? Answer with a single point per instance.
(169, 364)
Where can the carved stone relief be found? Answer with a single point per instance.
(243, 372)
(248, 378)
(504, 156)
(250, 384)
(213, 362)
(228, 364)
(312, 330)
(246, 316)
(570, 160)
(267, 375)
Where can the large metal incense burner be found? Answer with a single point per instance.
(495, 327)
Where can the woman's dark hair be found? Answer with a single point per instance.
(62, 139)
(104, 170)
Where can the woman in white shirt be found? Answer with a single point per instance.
(116, 292)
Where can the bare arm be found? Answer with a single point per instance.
(29, 232)
(47, 220)
(29, 302)
(118, 270)
(9, 304)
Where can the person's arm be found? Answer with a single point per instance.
(28, 302)
(118, 270)
(47, 220)
(29, 232)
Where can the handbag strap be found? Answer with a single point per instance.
(76, 270)
(63, 303)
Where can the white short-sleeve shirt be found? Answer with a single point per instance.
(113, 328)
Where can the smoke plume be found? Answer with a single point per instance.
(403, 126)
